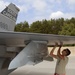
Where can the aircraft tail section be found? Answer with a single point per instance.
(8, 18)
(11, 11)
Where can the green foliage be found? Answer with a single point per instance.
(22, 27)
(53, 26)
(68, 29)
(56, 25)
(36, 27)
(45, 27)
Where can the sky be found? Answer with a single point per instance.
(33, 10)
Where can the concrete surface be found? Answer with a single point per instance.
(45, 68)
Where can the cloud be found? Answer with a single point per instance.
(23, 8)
(56, 15)
(39, 5)
(69, 15)
(35, 5)
(59, 14)
(3, 4)
(71, 2)
(24, 1)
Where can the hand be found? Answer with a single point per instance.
(56, 44)
(61, 44)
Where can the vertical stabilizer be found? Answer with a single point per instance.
(8, 17)
(11, 11)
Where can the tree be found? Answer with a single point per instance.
(22, 27)
(53, 26)
(68, 29)
(25, 27)
(36, 27)
(18, 27)
(72, 20)
(45, 26)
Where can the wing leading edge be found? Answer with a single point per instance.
(21, 37)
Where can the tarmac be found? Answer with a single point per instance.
(45, 68)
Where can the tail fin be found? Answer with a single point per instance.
(11, 12)
(8, 18)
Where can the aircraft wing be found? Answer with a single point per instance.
(20, 38)
(22, 47)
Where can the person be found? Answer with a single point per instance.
(62, 59)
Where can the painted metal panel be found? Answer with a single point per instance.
(21, 37)
(34, 52)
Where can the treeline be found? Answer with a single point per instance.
(54, 26)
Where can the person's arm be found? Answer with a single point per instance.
(52, 52)
(59, 52)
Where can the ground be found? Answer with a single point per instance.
(45, 68)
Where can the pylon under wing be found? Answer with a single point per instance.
(34, 52)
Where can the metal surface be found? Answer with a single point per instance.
(18, 38)
(33, 53)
